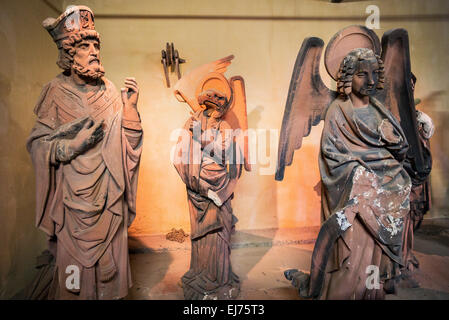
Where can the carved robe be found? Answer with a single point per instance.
(210, 275)
(87, 204)
(365, 190)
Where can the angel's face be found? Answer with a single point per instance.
(214, 101)
(364, 80)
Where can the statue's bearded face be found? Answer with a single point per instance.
(86, 60)
(365, 78)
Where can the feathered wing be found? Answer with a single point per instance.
(237, 118)
(397, 94)
(307, 102)
(185, 88)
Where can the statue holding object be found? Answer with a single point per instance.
(209, 156)
(369, 153)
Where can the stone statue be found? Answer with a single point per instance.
(369, 154)
(209, 156)
(85, 147)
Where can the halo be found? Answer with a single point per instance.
(346, 40)
(217, 81)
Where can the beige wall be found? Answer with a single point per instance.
(26, 64)
(265, 51)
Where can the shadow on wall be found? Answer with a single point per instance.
(433, 105)
(17, 226)
(255, 116)
(260, 191)
(20, 241)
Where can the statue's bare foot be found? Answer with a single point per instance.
(300, 280)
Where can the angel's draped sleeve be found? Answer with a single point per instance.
(215, 173)
(361, 170)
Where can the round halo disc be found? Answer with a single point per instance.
(346, 40)
(215, 81)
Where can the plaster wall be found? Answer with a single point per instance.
(26, 64)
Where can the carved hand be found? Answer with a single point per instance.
(69, 129)
(89, 135)
(426, 123)
(130, 95)
(214, 197)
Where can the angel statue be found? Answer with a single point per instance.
(369, 155)
(210, 153)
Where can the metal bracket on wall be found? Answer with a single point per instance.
(170, 59)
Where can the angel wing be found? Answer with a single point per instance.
(185, 88)
(211, 76)
(397, 94)
(307, 102)
(237, 117)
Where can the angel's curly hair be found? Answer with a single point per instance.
(349, 65)
(67, 50)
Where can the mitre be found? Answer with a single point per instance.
(73, 20)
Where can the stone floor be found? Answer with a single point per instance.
(259, 257)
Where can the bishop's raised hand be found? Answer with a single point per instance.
(130, 94)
